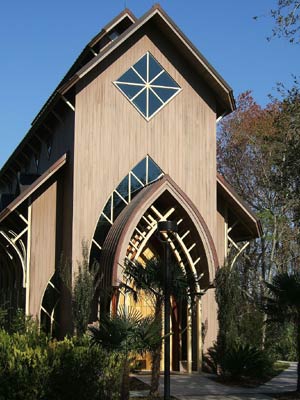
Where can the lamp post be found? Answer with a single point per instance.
(164, 228)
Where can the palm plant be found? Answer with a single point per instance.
(149, 280)
(127, 333)
(283, 305)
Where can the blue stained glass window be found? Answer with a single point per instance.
(147, 86)
(131, 77)
(164, 94)
(164, 80)
(154, 68)
(141, 102)
(129, 90)
(154, 103)
(140, 170)
(141, 67)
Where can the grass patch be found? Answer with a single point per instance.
(247, 382)
(280, 366)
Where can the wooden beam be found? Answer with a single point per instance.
(38, 138)
(185, 235)
(20, 165)
(22, 154)
(97, 244)
(34, 149)
(57, 116)
(68, 102)
(93, 51)
(20, 235)
(47, 128)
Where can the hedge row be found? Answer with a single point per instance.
(33, 367)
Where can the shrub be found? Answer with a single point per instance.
(281, 341)
(83, 293)
(79, 371)
(212, 359)
(23, 368)
(33, 367)
(245, 360)
(238, 361)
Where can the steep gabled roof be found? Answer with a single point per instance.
(124, 20)
(205, 70)
(251, 226)
(90, 58)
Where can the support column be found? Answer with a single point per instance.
(175, 338)
(225, 235)
(28, 253)
(189, 339)
(171, 342)
(199, 333)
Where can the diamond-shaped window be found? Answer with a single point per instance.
(147, 86)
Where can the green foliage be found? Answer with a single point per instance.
(212, 359)
(23, 368)
(239, 361)
(12, 320)
(83, 292)
(36, 368)
(148, 335)
(3, 317)
(280, 342)
(79, 371)
(258, 152)
(149, 279)
(243, 360)
(238, 351)
(229, 299)
(117, 332)
(129, 334)
(282, 304)
(283, 301)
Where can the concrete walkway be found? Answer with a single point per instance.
(201, 387)
(284, 382)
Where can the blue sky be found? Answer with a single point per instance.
(40, 40)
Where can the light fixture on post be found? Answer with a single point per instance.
(164, 228)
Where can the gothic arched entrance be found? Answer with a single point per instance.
(132, 237)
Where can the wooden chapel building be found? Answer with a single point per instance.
(128, 138)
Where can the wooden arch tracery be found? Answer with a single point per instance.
(115, 247)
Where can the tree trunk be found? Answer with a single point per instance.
(125, 381)
(155, 373)
(156, 354)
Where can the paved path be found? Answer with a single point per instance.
(201, 387)
(284, 382)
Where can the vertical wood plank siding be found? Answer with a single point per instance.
(43, 237)
(111, 137)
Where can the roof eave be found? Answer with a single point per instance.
(223, 89)
(33, 187)
(62, 85)
(241, 206)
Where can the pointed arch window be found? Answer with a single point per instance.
(144, 173)
(147, 86)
